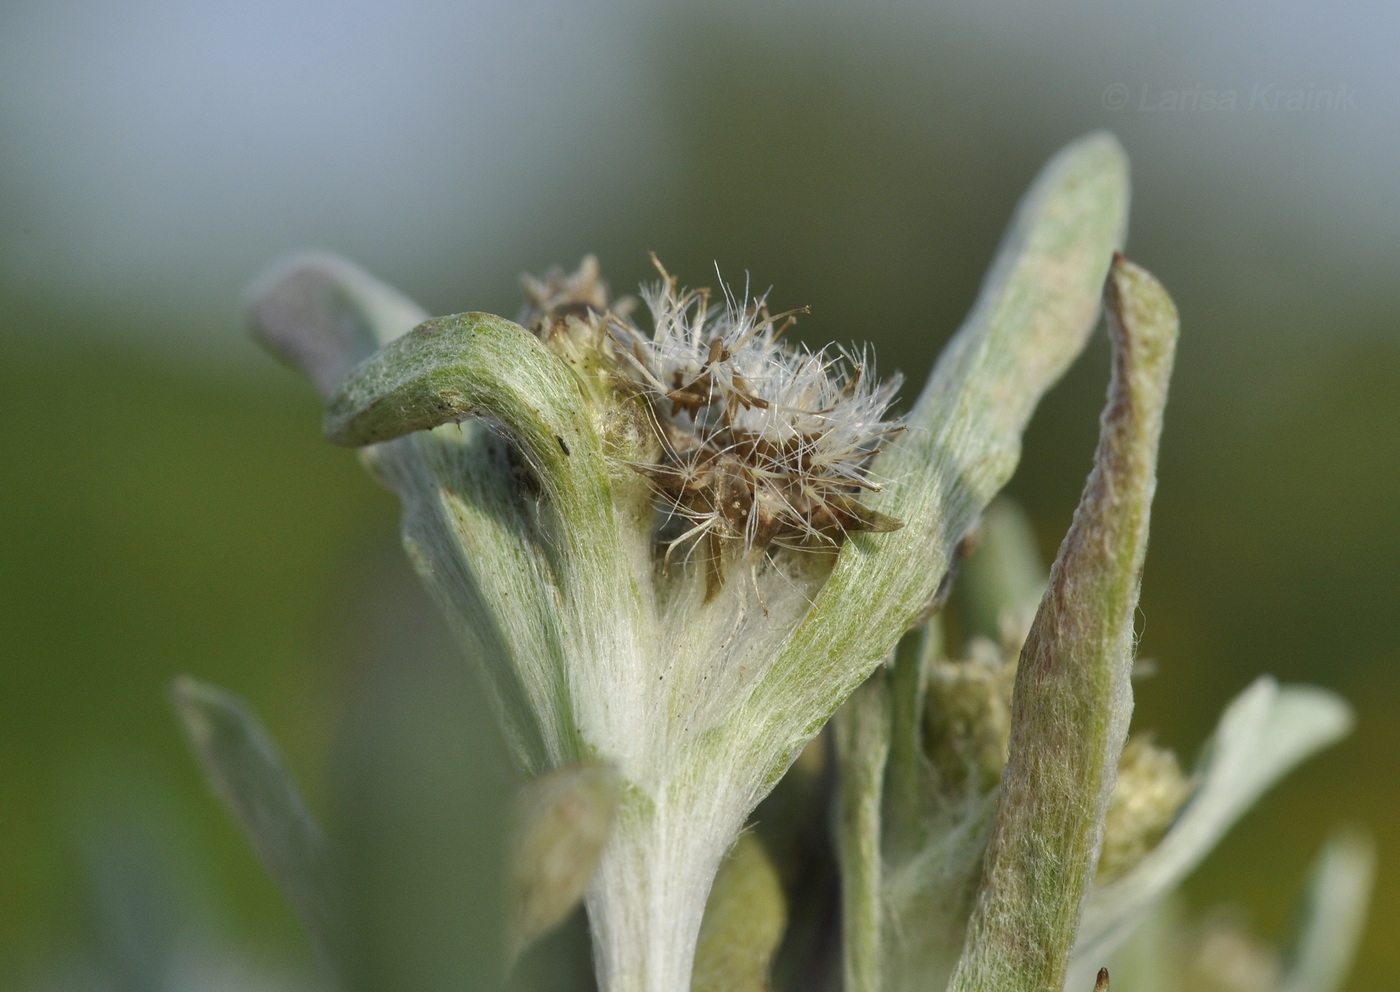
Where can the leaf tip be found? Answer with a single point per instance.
(323, 314)
(192, 701)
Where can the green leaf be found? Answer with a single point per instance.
(1004, 573)
(1032, 317)
(324, 314)
(744, 922)
(526, 546)
(564, 819)
(1073, 697)
(241, 763)
(909, 786)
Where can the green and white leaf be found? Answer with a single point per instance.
(1073, 697)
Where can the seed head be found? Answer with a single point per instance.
(763, 443)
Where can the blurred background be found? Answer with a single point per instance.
(169, 506)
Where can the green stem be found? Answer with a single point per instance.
(862, 748)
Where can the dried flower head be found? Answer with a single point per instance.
(762, 443)
(552, 298)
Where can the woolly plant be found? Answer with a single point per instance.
(675, 545)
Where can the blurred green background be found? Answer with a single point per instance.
(169, 506)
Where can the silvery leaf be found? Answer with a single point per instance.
(1333, 915)
(1262, 735)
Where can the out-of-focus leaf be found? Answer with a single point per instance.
(1149, 960)
(744, 922)
(1004, 573)
(1262, 735)
(1333, 914)
(324, 315)
(1073, 698)
(564, 819)
(242, 765)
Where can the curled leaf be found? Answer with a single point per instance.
(324, 315)
(520, 540)
(1072, 696)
